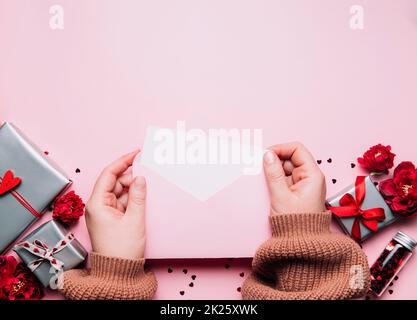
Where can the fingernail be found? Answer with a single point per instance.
(269, 157)
(140, 182)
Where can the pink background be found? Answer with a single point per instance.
(293, 68)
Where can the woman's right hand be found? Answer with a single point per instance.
(116, 212)
(295, 182)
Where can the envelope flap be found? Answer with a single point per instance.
(200, 180)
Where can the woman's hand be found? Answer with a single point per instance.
(295, 182)
(116, 212)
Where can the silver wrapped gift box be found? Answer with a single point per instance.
(41, 182)
(373, 199)
(51, 234)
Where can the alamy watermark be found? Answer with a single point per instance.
(220, 146)
(56, 19)
(356, 279)
(357, 18)
(56, 282)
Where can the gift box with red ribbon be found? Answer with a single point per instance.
(29, 183)
(50, 250)
(360, 209)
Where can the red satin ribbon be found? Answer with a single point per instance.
(351, 207)
(24, 202)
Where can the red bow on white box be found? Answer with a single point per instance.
(352, 207)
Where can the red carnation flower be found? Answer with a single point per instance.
(400, 192)
(17, 282)
(378, 159)
(7, 267)
(69, 208)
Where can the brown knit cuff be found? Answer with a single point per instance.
(111, 268)
(300, 224)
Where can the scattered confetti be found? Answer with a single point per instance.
(396, 278)
(352, 165)
(334, 181)
(242, 274)
(193, 276)
(77, 170)
(227, 266)
(191, 284)
(318, 161)
(46, 153)
(239, 289)
(170, 270)
(185, 271)
(329, 160)
(390, 291)
(182, 293)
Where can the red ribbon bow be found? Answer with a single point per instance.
(351, 207)
(8, 183)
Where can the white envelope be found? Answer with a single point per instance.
(200, 205)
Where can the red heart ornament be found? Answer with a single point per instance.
(9, 182)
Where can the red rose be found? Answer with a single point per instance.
(69, 208)
(17, 282)
(400, 192)
(7, 267)
(377, 159)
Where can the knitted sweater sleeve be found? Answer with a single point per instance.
(304, 260)
(110, 278)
